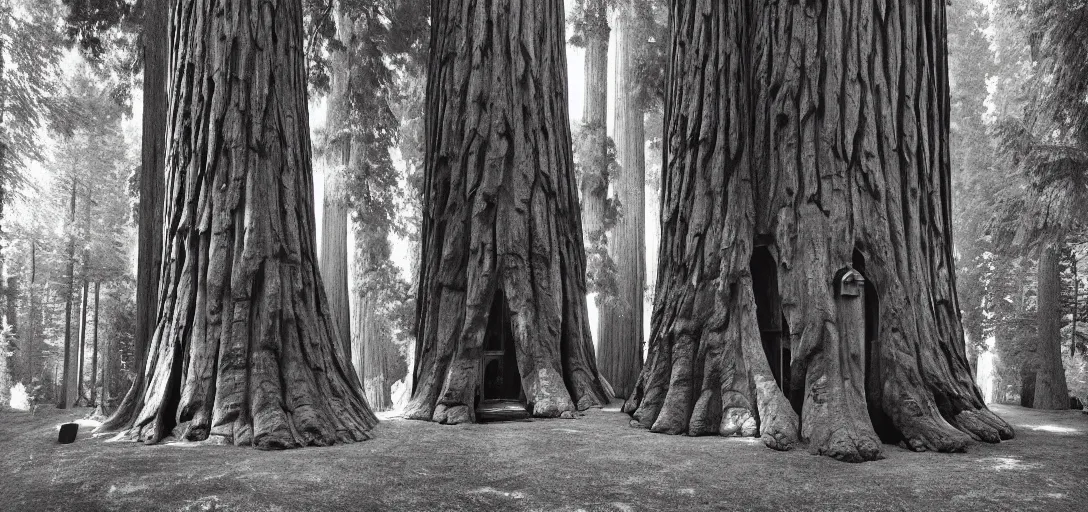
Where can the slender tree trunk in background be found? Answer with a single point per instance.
(594, 182)
(245, 351)
(8, 365)
(619, 345)
(63, 399)
(334, 221)
(80, 397)
(806, 146)
(82, 349)
(972, 358)
(3, 136)
(11, 298)
(500, 214)
(32, 328)
(1051, 391)
(94, 351)
(1076, 308)
(156, 41)
(372, 336)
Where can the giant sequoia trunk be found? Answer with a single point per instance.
(1051, 391)
(806, 245)
(245, 350)
(594, 180)
(156, 26)
(371, 339)
(619, 345)
(502, 242)
(334, 220)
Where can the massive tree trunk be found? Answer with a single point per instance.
(501, 218)
(619, 345)
(371, 337)
(806, 206)
(245, 351)
(594, 179)
(66, 376)
(334, 220)
(149, 248)
(1051, 391)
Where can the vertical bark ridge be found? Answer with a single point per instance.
(244, 351)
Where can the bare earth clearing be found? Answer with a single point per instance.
(604, 465)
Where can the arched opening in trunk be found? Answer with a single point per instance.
(500, 394)
(773, 330)
(873, 385)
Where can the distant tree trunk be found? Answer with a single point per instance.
(806, 205)
(3, 137)
(11, 299)
(334, 221)
(594, 183)
(1051, 391)
(371, 336)
(32, 328)
(82, 349)
(66, 378)
(156, 49)
(594, 186)
(500, 214)
(245, 351)
(9, 366)
(1076, 308)
(619, 345)
(94, 352)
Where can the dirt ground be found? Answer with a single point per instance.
(595, 462)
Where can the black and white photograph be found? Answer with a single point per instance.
(543, 255)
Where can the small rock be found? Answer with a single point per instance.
(567, 415)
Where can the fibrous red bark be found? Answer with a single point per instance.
(501, 216)
(245, 350)
(806, 154)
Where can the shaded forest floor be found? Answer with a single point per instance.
(595, 462)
